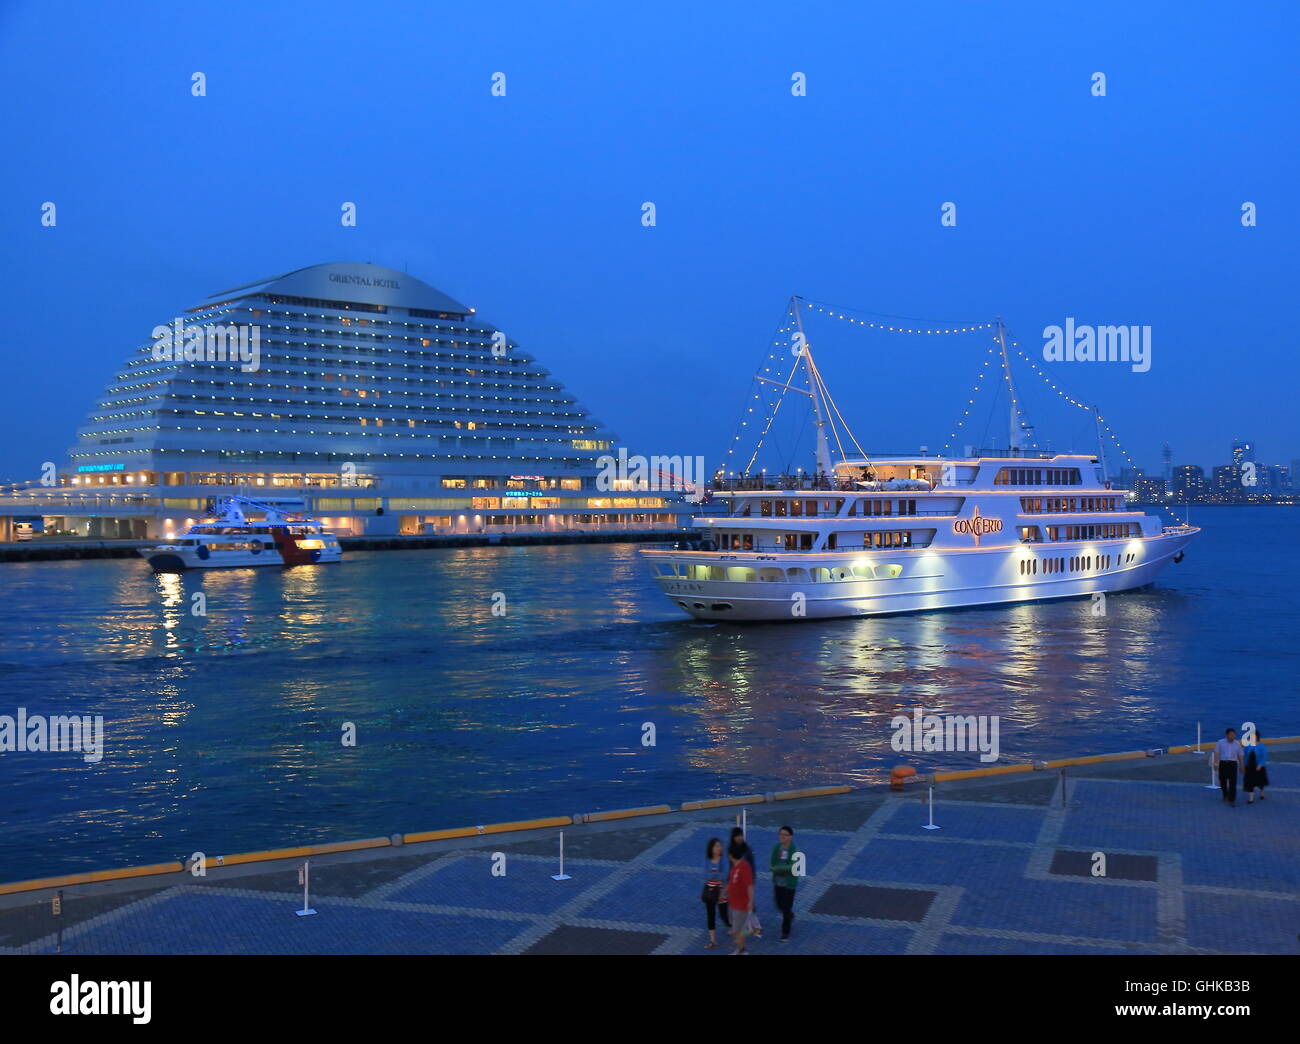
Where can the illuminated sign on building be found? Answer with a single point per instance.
(524, 493)
(101, 467)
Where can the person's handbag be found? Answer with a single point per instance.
(711, 894)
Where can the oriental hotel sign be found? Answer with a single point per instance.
(356, 280)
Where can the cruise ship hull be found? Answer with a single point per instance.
(930, 579)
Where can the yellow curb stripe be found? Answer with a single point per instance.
(747, 799)
(439, 835)
(91, 877)
(528, 824)
(808, 792)
(491, 828)
(301, 851)
(1096, 759)
(997, 770)
(626, 813)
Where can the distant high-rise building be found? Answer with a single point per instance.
(1167, 463)
(1242, 450)
(1226, 484)
(1128, 477)
(1189, 482)
(1150, 489)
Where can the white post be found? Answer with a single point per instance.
(1198, 737)
(1214, 783)
(561, 876)
(744, 823)
(304, 873)
(930, 801)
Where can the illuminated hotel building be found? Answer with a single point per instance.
(378, 404)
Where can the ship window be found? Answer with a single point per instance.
(864, 572)
(765, 509)
(741, 573)
(805, 541)
(781, 507)
(810, 508)
(841, 573)
(771, 576)
(888, 572)
(796, 575)
(820, 575)
(747, 542)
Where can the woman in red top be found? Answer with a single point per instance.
(740, 894)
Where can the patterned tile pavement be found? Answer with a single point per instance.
(1009, 871)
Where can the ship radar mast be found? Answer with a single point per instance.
(824, 467)
(1101, 445)
(1018, 422)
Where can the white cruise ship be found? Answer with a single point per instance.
(869, 535)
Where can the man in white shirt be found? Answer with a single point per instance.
(1227, 759)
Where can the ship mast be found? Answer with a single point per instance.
(1016, 423)
(824, 467)
(1101, 445)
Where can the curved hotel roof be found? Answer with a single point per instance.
(354, 282)
(356, 364)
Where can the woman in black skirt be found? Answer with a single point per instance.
(1256, 769)
(714, 895)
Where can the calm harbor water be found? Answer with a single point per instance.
(222, 733)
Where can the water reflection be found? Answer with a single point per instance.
(223, 731)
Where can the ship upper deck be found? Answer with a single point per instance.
(1071, 472)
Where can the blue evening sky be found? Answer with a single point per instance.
(1124, 209)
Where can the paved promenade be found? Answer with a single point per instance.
(1009, 871)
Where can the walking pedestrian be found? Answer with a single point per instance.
(740, 895)
(738, 834)
(1227, 759)
(1256, 777)
(784, 879)
(713, 896)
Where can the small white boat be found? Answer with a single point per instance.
(226, 538)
